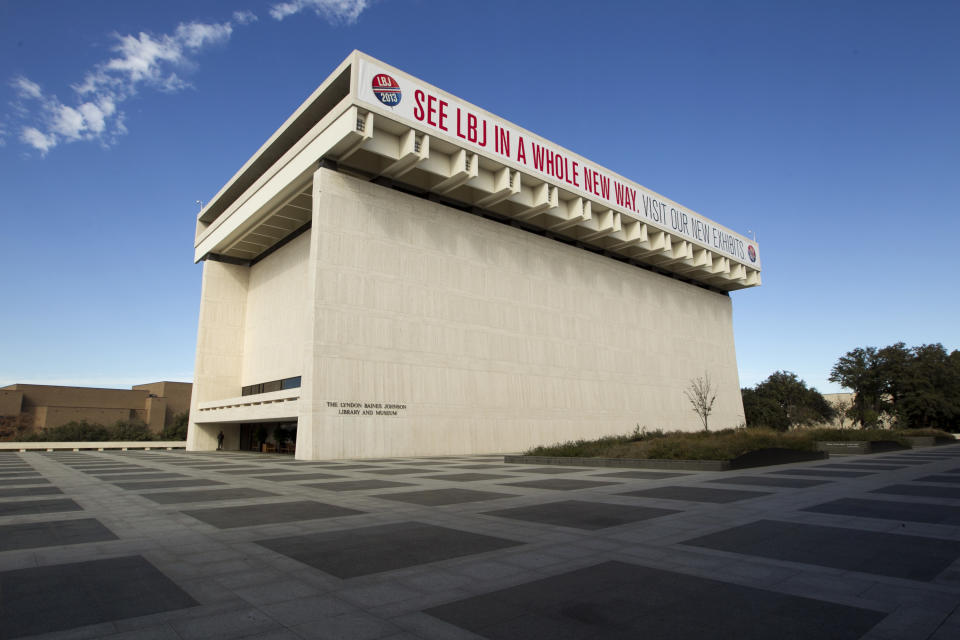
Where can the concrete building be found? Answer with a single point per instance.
(398, 272)
(40, 406)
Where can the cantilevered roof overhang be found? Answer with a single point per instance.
(377, 123)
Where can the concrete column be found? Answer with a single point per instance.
(308, 392)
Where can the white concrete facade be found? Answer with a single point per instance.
(514, 312)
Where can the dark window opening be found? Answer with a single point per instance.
(273, 385)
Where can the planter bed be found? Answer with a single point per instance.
(759, 458)
(859, 447)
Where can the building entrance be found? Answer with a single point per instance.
(269, 437)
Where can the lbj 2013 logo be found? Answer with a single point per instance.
(752, 253)
(386, 89)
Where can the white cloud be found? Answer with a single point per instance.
(196, 34)
(140, 60)
(334, 11)
(37, 139)
(26, 88)
(68, 122)
(244, 17)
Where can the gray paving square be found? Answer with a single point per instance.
(22, 492)
(212, 466)
(696, 494)
(920, 491)
(559, 484)
(17, 474)
(488, 466)
(440, 497)
(357, 552)
(10, 482)
(581, 515)
(400, 471)
(866, 466)
(246, 516)
(357, 485)
(174, 497)
(160, 475)
(826, 473)
(639, 474)
(887, 554)
(890, 510)
(31, 535)
(167, 484)
(297, 477)
(354, 467)
(64, 596)
(770, 481)
(617, 600)
(550, 470)
(23, 507)
(468, 477)
(944, 477)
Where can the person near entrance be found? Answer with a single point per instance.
(220, 441)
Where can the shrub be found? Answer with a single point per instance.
(130, 430)
(14, 428)
(83, 431)
(681, 445)
(177, 430)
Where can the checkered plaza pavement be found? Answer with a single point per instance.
(169, 544)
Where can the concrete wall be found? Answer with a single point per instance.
(52, 405)
(219, 361)
(10, 402)
(494, 339)
(175, 394)
(276, 323)
(35, 395)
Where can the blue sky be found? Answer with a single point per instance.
(830, 129)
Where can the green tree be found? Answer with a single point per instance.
(859, 370)
(919, 386)
(892, 364)
(782, 401)
(761, 410)
(929, 387)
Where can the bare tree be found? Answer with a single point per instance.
(702, 395)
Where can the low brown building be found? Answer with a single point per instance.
(40, 406)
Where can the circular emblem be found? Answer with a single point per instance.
(386, 89)
(752, 253)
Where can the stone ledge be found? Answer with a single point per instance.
(92, 446)
(858, 447)
(928, 441)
